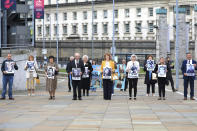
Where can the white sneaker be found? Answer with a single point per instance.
(147, 94)
(113, 94)
(29, 94)
(153, 94)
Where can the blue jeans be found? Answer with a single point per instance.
(188, 80)
(7, 80)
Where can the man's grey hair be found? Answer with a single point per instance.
(134, 56)
(72, 57)
(77, 54)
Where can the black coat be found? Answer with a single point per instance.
(147, 80)
(68, 66)
(170, 67)
(72, 65)
(156, 69)
(89, 65)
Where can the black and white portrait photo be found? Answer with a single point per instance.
(133, 73)
(162, 70)
(150, 65)
(86, 73)
(107, 73)
(76, 74)
(9, 67)
(190, 70)
(50, 72)
(30, 65)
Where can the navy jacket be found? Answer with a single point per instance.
(184, 66)
(3, 67)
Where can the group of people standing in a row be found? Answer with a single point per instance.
(80, 74)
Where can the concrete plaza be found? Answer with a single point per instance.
(37, 113)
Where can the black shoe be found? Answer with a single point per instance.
(83, 94)
(53, 97)
(69, 90)
(11, 98)
(130, 98)
(164, 98)
(50, 98)
(135, 98)
(80, 98)
(2, 98)
(159, 98)
(74, 99)
(121, 89)
(192, 98)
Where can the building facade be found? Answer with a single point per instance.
(135, 20)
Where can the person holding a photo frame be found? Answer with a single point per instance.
(86, 77)
(161, 70)
(107, 70)
(51, 71)
(7, 68)
(76, 70)
(150, 80)
(133, 67)
(31, 67)
(69, 76)
(188, 70)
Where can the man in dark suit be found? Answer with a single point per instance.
(76, 63)
(67, 70)
(188, 78)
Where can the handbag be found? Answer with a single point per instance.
(154, 76)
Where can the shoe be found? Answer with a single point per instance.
(11, 98)
(164, 98)
(29, 94)
(74, 99)
(2, 98)
(53, 97)
(69, 90)
(185, 98)
(121, 89)
(80, 98)
(33, 94)
(50, 98)
(153, 94)
(130, 98)
(87, 94)
(192, 98)
(159, 98)
(135, 98)
(84, 95)
(147, 94)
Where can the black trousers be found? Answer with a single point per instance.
(85, 85)
(133, 84)
(171, 82)
(76, 87)
(69, 86)
(188, 80)
(148, 88)
(126, 84)
(107, 89)
(162, 84)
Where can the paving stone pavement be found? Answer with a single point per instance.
(37, 113)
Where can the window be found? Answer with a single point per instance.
(48, 17)
(95, 29)
(127, 12)
(116, 13)
(55, 30)
(105, 14)
(138, 12)
(65, 16)
(116, 28)
(74, 29)
(85, 15)
(105, 28)
(65, 29)
(150, 10)
(74, 15)
(56, 16)
(47, 30)
(95, 15)
(127, 28)
(39, 30)
(138, 27)
(85, 29)
(150, 27)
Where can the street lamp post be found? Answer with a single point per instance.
(177, 45)
(113, 39)
(0, 28)
(57, 33)
(92, 30)
(33, 17)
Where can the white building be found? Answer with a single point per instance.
(75, 19)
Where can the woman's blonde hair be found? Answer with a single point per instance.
(31, 56)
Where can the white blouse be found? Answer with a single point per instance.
(131, 63)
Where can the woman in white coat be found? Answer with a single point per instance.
(31, 67)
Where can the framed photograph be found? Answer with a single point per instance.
(107, 73)
(30, 66)
(190, 70)
(150, 65)
(76, 74)
(162, 70)
(51, 72)
(133, 72)
(9, 67)
(86, 73)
